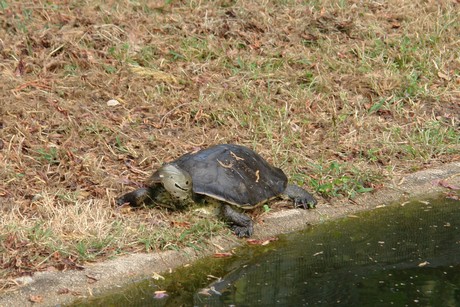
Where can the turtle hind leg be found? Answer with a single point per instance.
(240, 223)
(300, 197)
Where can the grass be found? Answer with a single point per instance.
(342, 180)
(341, 95)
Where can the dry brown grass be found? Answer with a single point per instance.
(340, 94)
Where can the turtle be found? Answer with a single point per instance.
(232, 176)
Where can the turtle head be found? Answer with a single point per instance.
(176, 181)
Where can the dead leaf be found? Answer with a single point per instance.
(295, 127)
(445, 184)
(36, 298)
(222, 255)
(205, 292)
(444, 76)
(160, 294)
(309, 37)
(63, 291)
(67, 291)
(37, 84)
(154, 74)
(209, 291)
(180, 224)
(322, 12)
(51, 268)
(218, 246)
(341, 55)
(213, 277)
(91, 279)
(424, 263)
(20, 68)
(395, 25)
(124, 208)
(157, 276)
(57, 255)
(262, 241)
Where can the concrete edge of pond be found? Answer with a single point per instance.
(57, 288)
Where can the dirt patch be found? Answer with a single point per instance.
(52, 288)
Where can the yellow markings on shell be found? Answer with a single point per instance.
(257, 176)
(235, 156)
(230, 165)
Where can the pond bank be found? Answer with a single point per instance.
(52, 288)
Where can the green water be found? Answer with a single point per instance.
(395, 256)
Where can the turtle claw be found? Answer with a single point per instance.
(241, 224)
(242, 231)
(304, 203)
(300, 197)
(128, 198)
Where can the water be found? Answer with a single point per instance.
(404, 255)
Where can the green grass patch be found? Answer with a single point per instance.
(338, 180)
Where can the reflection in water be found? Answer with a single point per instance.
(402, 255)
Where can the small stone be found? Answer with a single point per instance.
(24, 280)
(112, 103)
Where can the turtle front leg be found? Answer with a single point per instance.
(143, 196)
(240, 223)
(135, 198)
(300, 197)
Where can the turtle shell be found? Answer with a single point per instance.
(234, 174)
